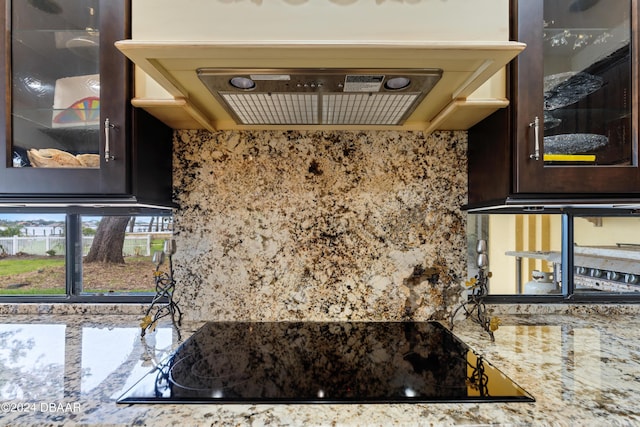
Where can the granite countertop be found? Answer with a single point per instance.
(69, 369)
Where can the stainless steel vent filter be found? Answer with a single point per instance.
(319, 97)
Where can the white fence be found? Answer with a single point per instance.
(134, 245)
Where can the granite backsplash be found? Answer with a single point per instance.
(287, 225)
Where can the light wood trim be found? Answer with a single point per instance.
(166, 105)
(461, 112)
(466, 66)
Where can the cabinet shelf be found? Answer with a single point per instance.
(49, 44)
(77, 140)
(82, 138)
(606, 114)
(45, 118)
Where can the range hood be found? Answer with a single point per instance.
(277, 85)
(320, 65)
(319, 97)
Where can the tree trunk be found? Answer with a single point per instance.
(132, 224)
(109, 240)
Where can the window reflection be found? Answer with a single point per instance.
(32, 359)
(102, 361)
(157, 347)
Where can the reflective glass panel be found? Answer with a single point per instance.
(32, 359)
(587, 82)
(106, 350)
(55, 84)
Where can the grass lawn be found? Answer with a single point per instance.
(11, 265)
(30, 292)
(46, 275)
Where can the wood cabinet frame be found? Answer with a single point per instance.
(500, 168)
(141, 170)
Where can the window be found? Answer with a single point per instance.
(33, 251)
(606, 255)
(133, 269)
(567, 256)
(79, 255)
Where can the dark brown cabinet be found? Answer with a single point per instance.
(570, 134)
(68, 126)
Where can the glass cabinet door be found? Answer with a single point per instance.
(66, 118)
(588, 94)
(575, 96)
(570, 133)
(55, 82)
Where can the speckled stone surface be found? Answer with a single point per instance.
(81, 309)
(582, 370)
(566, 309)
(319, 225)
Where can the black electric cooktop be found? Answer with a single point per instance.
(324, 362)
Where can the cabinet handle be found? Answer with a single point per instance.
(536, 135)
(107, 131)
